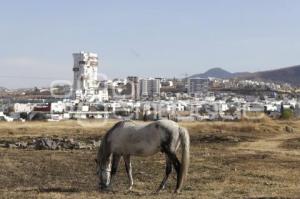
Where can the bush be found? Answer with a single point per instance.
(287, 114)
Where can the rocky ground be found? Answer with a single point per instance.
(50, 143)
(228, 160)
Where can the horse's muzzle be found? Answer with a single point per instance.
(103, 187)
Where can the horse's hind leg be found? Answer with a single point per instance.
(168, 171)
(128, 170)
(176, 164)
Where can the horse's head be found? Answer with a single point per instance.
(104, 158)
(104, 179)
(104, 175)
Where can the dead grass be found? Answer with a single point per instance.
(63, 128)
(228, 160)
(293, 143)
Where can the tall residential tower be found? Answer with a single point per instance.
(85, 83)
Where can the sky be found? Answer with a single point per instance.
(169, 38)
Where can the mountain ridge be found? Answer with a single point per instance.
(289, 75)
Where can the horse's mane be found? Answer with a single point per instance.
(103, 146)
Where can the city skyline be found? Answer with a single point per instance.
(166, 39)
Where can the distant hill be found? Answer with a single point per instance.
(220, 73)
(215, 72)
(289, 75)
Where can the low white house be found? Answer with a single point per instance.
(6, 118)
(272, 107)
(19, 107)
(57, 107)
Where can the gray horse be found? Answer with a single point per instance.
(127, 138)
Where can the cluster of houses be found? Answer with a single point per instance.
(148, 98)
(211, 107)
(249, 84)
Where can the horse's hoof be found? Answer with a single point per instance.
(177, 191)
(105, 189)
(159, 189)
(130, 188)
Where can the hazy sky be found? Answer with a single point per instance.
(145, 38)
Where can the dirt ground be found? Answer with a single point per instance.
(228, 160)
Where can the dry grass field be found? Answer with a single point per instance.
(247, 159)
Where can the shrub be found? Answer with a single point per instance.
(287, 114)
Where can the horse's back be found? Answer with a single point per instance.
(136, 139)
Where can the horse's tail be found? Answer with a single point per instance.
(185, 159)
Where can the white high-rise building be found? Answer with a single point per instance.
(144, 87)
(85, 83)
(135, 90)
(198, 85)
(154, 87)
(150, 87)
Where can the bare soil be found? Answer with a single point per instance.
(228, 160)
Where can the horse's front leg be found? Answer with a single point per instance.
(115, 165)
(128, 170)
